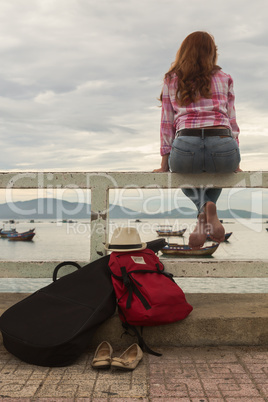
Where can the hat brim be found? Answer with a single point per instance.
(108, 247)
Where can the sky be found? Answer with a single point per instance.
(80, 79)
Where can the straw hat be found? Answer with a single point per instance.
(125, 239)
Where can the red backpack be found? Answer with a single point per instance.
(146, 294)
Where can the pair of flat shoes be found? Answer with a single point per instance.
(127, 361)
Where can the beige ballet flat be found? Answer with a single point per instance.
(129, 359)
(103, 356)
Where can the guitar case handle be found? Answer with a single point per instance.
(62, 264)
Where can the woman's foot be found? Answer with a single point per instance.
(199, 235)
(214, 226)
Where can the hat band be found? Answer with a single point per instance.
(124, 246)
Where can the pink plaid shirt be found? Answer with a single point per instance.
(217, 111)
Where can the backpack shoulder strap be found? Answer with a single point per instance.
(132, 287)
(142, 344)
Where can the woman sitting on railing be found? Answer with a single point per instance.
(199, 132)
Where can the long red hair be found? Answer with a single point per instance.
(194, 65)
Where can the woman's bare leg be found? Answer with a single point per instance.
(214, 226)
(199, 235)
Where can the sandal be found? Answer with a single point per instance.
(103, 356)
(129, 359)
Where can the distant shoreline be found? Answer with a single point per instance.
(55, 209)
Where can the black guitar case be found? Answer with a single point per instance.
(54, 325)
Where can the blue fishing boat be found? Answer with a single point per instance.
(5, 232)
(227, 235)
(164, 230)
(182, 250)
(24, 236)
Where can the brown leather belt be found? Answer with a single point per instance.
(206, 132)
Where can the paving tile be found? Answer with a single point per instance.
(17, 399)
(157, 390)
(15, 389)
(91, 399)
(57, 391)
(129, 400)
(258, 368)
(245, 399)
(54, 399)
(256, 355)
(260, 378)
(264, 389)
(79, 379)
(85, 390)
(119, 388)
(239, 390)
(173, 400)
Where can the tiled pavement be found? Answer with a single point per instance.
(213, 374)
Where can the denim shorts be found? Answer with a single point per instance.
(209, 154)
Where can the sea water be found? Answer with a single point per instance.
(59, 241)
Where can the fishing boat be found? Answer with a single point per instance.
(168, 231)
(5, 232)
(227, 235)
(24, 236)
(186, 251)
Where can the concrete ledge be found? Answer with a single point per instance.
(148, 180)
(179, 267)
(216, 320)
(206, 268)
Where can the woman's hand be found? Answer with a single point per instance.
(238, 169)
(164, 165)
(160, 170)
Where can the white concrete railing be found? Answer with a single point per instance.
(101, 182)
